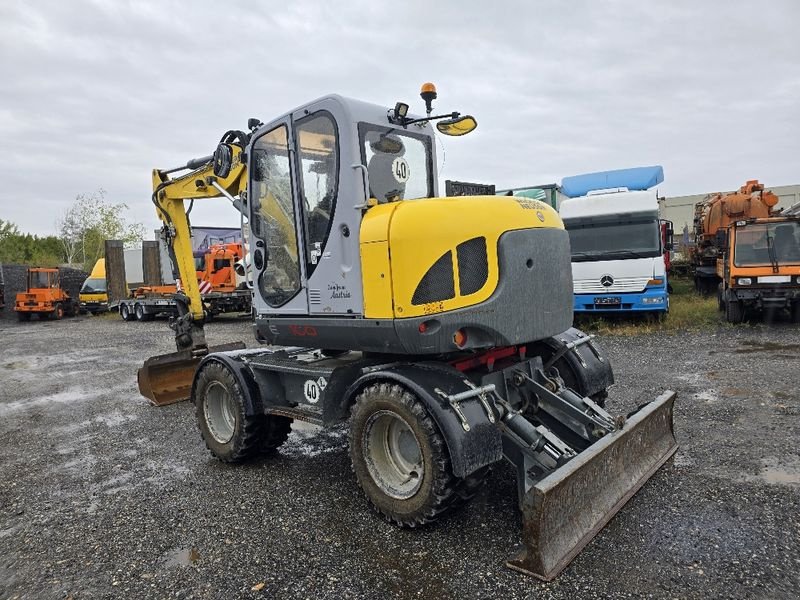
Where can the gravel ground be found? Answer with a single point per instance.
(104, 496)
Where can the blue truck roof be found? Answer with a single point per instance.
(636, 178)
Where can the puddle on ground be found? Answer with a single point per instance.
(751, 346)
(707, 396)
(181, 558)
(773, 475)
(16, 365)
(777, 473)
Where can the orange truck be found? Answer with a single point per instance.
(748, 252)
(44, 296)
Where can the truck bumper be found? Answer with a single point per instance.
(652, 299)
(94, 307)
(770, 297)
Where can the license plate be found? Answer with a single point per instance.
(609, 300)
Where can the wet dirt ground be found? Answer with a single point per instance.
(103, 496)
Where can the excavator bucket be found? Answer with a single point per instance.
(167, 378)
(564, 511)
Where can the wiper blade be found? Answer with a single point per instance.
(625, 253)
(773, 257)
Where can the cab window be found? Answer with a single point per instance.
(317, 149)
(272, 217)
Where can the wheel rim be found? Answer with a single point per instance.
(219, 412)
(124, 312)
(139, 311)
(393, 454)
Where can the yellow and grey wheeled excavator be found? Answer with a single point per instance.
(440, 327)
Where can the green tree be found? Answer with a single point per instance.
(16, 247)
(90, 221)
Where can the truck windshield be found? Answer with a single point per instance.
(94, 285)
(594, 239)
(399, 163)
(40, 279)
(765, 244)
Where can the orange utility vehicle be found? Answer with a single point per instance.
(716, 212)
(759, 267)
(216, 266)
(747, 252)
(44, 296)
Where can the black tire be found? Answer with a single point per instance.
(795, 312)
(24, 316)
(76, 309)
(431, 493)
(58, 312)
(720, 298)
(138, 311)
(250, 434)
(125, 312)
(274, 433)
(734, 311)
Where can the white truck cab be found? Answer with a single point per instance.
(616, 241)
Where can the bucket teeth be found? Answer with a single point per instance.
(563, 512)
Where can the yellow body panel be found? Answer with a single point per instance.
(419, 232)
(99, 269)
(93, 297)
(376, 272)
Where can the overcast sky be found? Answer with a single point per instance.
(94, 94)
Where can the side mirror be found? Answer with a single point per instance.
(223, 160)
(721, 239)
(458, 126)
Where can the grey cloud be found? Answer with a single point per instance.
(96, 94)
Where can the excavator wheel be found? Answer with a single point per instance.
(400, 459)
(228, 431)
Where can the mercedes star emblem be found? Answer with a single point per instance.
(606, 281)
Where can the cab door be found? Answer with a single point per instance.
(278, 265)
(327, 167)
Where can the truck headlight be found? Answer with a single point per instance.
(653, 300)
(744, 281)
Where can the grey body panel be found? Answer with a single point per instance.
(529, 304)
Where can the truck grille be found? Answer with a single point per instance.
(620, 285)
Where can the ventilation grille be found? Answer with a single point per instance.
(314, 296)
(437, 284)
(473, 265)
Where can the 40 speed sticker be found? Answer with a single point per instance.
(312, 389)
(400, 169)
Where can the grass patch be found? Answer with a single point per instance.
(688, 311)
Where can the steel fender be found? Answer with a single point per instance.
(471, 449)
(587, 369)
(244, 376)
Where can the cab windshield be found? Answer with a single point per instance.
(94, 286)
(765, 244)
(41, 279)
(399, 162)
(614, 237)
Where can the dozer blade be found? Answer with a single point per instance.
(565, 510)
(167, 378)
